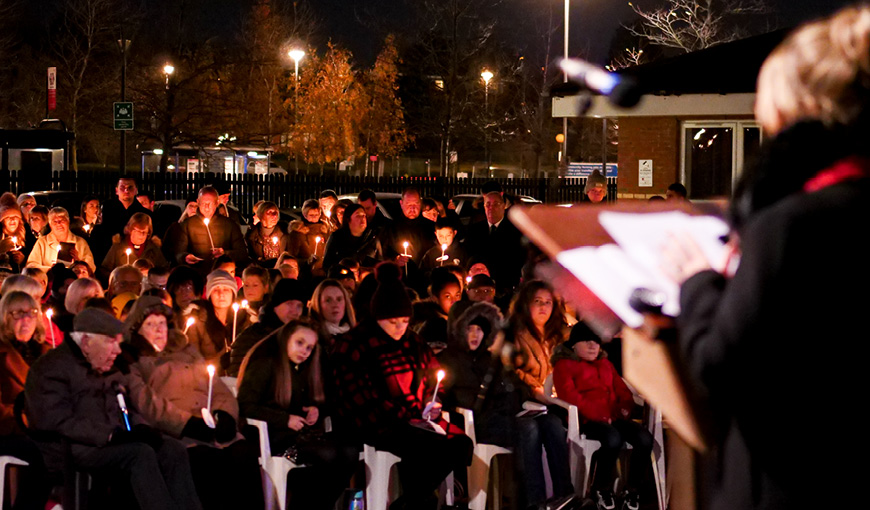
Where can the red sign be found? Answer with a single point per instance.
(373, 158)
(52, 88)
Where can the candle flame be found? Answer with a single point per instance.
(190, 321)
(210, 370)
(406, 244)
(328, 214)
(128, 251)
(274, 239)
(49, 313)
(317, 239)
(443, 247)
(205, 221)
(15, 239)
(87, 228)
(58, 248)
(235, 307)
(440, 375)
(468, 279)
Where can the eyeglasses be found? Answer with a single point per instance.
(20, 314)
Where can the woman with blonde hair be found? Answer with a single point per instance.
(52, 248)
(757, 340)
(330, 305)
(79, 292)
(287, 391)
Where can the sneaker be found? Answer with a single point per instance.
(631, 501)
(604, 500)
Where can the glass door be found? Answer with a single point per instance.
(714, 154)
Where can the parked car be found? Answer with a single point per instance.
(166, 211)
(388, 203)
(465, 204)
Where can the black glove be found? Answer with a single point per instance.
(195, 428)
(226, 427)
(144, 434)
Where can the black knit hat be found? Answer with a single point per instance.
(390, 300)
(289, 290)
(580, 332)
(481, 280)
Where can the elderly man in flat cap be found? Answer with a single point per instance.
(72, 398)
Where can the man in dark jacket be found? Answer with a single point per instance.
(206, 236)
(497, 243)
(72, 397)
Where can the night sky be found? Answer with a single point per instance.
(593, 22)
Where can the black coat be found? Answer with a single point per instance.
(502, 252)
(756, 344)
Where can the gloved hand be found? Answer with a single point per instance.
(226, 427)
(195, 428)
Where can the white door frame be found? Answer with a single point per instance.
(737, 140)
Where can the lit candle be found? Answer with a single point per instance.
(210, 240)
(245, 304)
(235, 314)
(128, 251)
(467, 279)
(14, 242)
(48, 314)
(275, 240)
(328, 214)
(405, 245)
(87, 228)
(316, 243)
(443, 254)
(210, 369)
(439, 378)
(190, 321)
(58, 253)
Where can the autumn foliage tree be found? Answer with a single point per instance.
(331, 107)
(384, 132)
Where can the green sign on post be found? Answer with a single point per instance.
(123, 114)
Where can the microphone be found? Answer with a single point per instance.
(119, 390)
(620, 90)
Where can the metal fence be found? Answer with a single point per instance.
(291, 191)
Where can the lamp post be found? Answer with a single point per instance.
(168, 69)
(565, 80)
(487, 76)
(296, 55)
(123, 45)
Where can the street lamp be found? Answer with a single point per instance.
(565, 79)
(486, 75)
(168, 69)
(296, 54)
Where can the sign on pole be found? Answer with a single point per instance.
(52, 88)
(123, 115)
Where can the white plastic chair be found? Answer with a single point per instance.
(276, 467)
(231, 383)
(478, 472)
(6, 461)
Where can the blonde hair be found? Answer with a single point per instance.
(79, 292)
(821, 72)
(23, 283)
(12, 301)
(314, 305)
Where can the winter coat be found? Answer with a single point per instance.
(262, 248)
(364, 249)
(754, 344)
(465, 371)
(269, 323)
(455, 255)
(430, 323)
(171, 387)
(208, 334)
(44, 253)
(117, 255)
(594, 387)
(67, 399)
(535, 365)
(13, 374)
(193, 238)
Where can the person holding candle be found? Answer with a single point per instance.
(90, 215)
(308, 236)
(353, 240)
(21, 344)
(73, 410)
(448, 251)
(286, 390)
(197, 243)
(268, 238)
(385, 377)
(430, 314)
(212, 333)
(35, 289)
(169, 385)
(256, 287)
(13, 233)
(48, 249)
(137, 243)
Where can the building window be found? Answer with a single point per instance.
(714, 154)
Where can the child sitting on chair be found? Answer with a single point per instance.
(584, 377)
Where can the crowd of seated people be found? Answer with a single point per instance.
(335, 327)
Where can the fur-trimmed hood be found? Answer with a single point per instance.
(458, 326)
(142, 308)
(562, 351)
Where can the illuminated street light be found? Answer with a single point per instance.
(297, 55)
(487, 76)
(168, 69)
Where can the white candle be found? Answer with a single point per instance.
(58, 254)
(439, 378)
(405, 245)
(443, 254)
(245, 304)
(190, 321)
(316, 243)
(128, 251)
(210, 369)
(48, 314)
(235, 314)
(210, 240)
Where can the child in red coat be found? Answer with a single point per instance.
(585, 378)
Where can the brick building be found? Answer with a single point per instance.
(694, 123)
